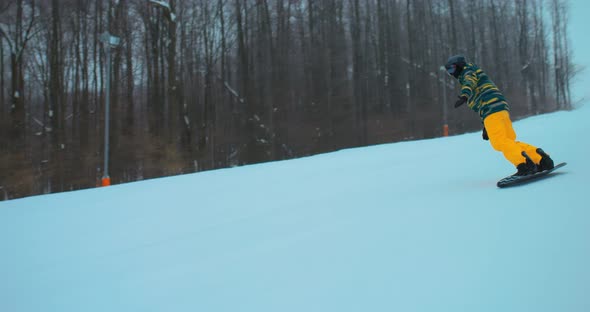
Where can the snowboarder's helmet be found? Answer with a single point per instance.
(455, 65)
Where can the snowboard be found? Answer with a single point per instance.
(517, 180)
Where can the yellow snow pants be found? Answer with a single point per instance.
(503, 139)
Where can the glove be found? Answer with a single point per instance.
(484, 134)
(461, 101)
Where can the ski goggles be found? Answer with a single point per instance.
(451, 69)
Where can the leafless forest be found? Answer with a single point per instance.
(204, 84)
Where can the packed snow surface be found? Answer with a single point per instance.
(413, 226)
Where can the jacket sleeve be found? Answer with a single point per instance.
(469, 82)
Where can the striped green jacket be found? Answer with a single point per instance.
(483, 96)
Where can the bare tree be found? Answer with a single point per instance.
(200, 84)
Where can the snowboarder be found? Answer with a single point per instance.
(484, 97)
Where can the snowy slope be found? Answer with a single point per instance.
(415, 226)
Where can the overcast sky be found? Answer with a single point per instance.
(580, 39)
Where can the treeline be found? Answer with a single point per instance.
(204, 84)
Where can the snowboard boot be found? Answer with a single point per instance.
(526, 168)
(546, 162)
